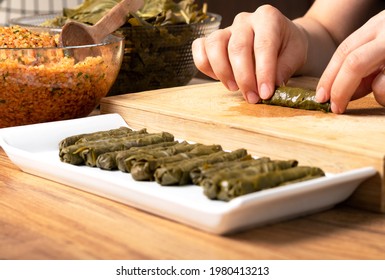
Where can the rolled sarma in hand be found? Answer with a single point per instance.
(174, 174)
(71, 140)
(245, 184)
(212, 180)
(115, 160)
(145, 165)
(295, 97)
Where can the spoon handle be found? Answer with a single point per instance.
(116, 17)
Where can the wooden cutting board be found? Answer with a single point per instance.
(209, 113)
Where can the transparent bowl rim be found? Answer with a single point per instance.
(217, 18)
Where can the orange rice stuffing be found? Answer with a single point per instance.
(20, 37)
(39, 84)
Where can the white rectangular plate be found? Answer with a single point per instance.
(34, 148)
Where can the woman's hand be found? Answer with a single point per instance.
(257, 52)
(357, 67)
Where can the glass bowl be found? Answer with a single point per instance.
(154, 56)
(53, 83)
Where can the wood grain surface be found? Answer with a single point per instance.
(41, 219)
(208, 113)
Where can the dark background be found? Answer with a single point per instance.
(228, 9)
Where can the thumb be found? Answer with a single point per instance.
(290, 60)
(286, 67)
(378, 87)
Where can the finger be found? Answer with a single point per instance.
(359, 38)
(292, 56)
(241, 57)
(200, 58)
(267, 44)
(216, 50)
(280, 49)
(328, 77)
(378, 87)
(365, 86)
(358, 64)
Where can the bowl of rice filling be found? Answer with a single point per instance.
(40, 81)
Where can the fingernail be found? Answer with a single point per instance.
(252, 97)
(320, 95)
(232, 86)
(264, 91)
(335, 108)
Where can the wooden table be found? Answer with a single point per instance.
(41, 219)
